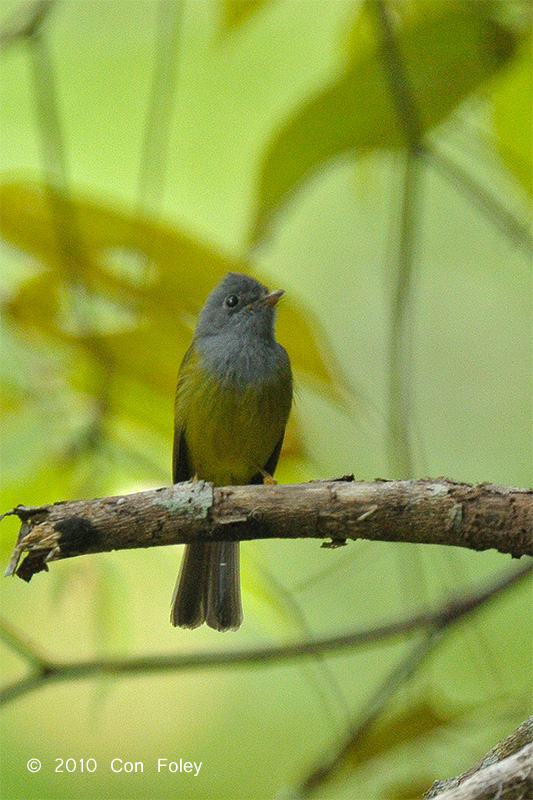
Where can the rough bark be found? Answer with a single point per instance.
(504, 773)
(426, 511)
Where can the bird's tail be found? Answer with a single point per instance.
(208, 587)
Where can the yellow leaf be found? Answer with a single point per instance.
(124, 292)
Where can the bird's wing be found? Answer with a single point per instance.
(272, 462)
(181, 468)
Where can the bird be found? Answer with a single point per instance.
(233, 399)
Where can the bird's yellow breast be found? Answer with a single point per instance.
(230, 430)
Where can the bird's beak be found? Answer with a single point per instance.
(272, 298)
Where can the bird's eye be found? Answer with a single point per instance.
(232, 301)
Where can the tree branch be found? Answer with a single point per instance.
(425, 511)
(45, 669)
(504, 773)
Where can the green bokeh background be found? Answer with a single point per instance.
(244, 72)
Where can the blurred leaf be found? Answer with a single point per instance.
(410, 724)
(157, 313)
(448, 51)
(512, 100)
(410, 790)
(236, 12)
(119, 296)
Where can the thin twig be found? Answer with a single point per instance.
(400, 336)
(72, 249)
(515, 230)
(155, 144)
(20, 645)
(397, 677)
(396, 73)
(52, 671)
(399, 348)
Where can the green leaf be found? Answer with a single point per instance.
(448, 52)
(236, 12)
(512, 101)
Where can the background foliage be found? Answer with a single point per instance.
(150, 146)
